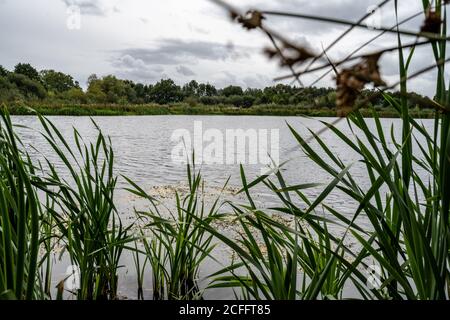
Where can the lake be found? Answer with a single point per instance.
(144, 153)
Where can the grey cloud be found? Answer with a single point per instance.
(341, 9)
(224, 79)
(89, 7)
(175, 52)
(257, 81)
(345, 9)
(185, 71)
(422, 57)
(135, 69)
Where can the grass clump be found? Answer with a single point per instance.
(20, 219)
(178, 243)
(86, 218)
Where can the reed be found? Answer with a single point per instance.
(178, 243)
(20, 219)
(86, 219)
(407, 243)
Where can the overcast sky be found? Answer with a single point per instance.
(146, 40)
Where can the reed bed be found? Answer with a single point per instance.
(409, 237)
(85, 218)
(178, 243)
(402, 254)
(20, 223)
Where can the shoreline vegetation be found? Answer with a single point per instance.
(199, 109)
(51, 92)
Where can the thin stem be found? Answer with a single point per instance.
(350, 55)
(331, 45)
(348, 59)
(367, 100)
(297, 77)
(432, 36)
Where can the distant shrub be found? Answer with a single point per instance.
(29, 88)
(191, 101)
(214, 100)
(75, 95)
(241, 101)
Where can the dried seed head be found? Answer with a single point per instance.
(348, 88)
(270, 52)
(351, 81)
(233, 15)
(369, 71)
(290, 54)
(252, 20)
(432, 23)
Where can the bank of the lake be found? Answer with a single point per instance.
(197, 109)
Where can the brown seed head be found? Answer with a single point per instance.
(351, 81)
(290, 54)
(252, 20)
(369, 71)
(432, 23)
(233, 15)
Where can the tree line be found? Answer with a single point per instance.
(26, 84)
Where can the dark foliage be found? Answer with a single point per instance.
(26, 84)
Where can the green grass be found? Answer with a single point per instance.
(407, 241)
(178, 244)
(84, 212)
(21, 220)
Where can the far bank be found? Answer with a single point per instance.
(198, 109)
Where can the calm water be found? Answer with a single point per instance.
(143, 150)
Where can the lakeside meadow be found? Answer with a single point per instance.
(357, 207)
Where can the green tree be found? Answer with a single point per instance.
(232, 91)
(29, 88)
(28, 70)
(94, 92)
(3, 71)
(140, 91)
(75, 95)
(207, 90)
(109, 89)
(166, 91)
(8, 91)
(93, 77)
(191, 89)
(57, 82)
